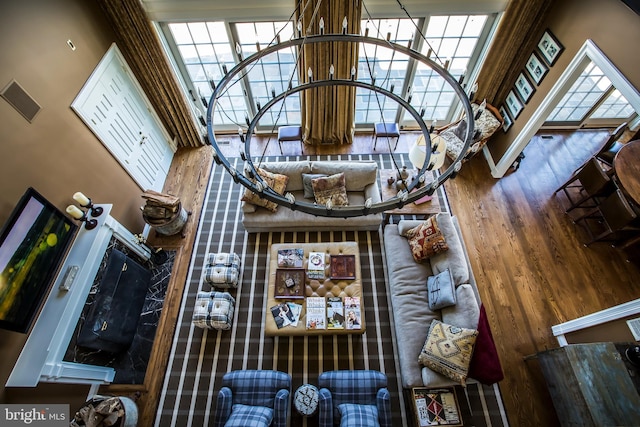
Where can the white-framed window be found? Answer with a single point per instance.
(203, 50)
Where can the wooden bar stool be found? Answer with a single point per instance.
(387, 130)
(290, 133)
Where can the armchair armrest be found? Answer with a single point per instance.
(281, 408)
(383, 402)
(325, 408)
(372, 191)
(223, 411)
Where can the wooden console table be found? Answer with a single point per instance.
(389, 191)
(590, 385)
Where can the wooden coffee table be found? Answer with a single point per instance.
(390, 191)
(324, 288)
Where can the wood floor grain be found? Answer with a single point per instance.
(527, 256)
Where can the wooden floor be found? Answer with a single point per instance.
(527, 256)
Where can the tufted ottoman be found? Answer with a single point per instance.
(323, 288)
(222, 270)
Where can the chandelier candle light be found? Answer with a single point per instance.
(426, 155)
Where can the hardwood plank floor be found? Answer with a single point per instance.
(527, 256)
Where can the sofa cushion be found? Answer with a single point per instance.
(247, 415)
(330, 188)
(426, 240)
(352, 414)
(293, 170)
(455, 258)
(358, 175)
(276, 181)
(308, 186)
(448, 350)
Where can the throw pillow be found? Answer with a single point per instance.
(306, 183)
(442, 291)
(485, 363)
(448, 350)
(426, 240)
(330, 188)
(246, 415)
(352, 414)
(274, 180)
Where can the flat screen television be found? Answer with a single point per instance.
(33, 246)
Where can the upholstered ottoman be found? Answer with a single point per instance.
(213, 310)
(222, 270)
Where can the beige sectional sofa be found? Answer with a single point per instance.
(361, 179)
(409, 298)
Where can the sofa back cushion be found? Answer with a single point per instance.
(357, 175)
(293, 170)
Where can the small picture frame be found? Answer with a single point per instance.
(514, 105)
(524, 88)
(550, 48)
(536, 68)
(507, 119)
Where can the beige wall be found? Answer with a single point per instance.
(612, 26)
(56, 154)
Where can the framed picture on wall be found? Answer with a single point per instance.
(536, 68)
(514, 105)
(524, 88)
(506, 118)
(550, 48)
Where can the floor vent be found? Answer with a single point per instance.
(20, 100)
(223, 141)
(634, 325)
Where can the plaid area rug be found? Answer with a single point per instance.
(199, 358)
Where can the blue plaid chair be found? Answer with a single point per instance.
(354, 398)
(253, 399)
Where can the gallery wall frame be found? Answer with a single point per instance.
(536, 68)
(514, 105)
(550, 48)
(524, 87)
(506, 117)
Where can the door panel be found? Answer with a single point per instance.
(114, 107)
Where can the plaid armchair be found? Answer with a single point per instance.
(253, 398)
(355, 398)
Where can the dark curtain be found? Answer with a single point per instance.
(141, 47)
(328, 113)
(517, 36)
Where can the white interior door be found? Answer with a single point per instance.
(116, 109)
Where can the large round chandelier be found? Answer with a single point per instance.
(433, 152)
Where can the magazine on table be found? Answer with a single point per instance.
(296, 309)
(290, 258)
(352, 312)
(316, 312)
(316, 265)
(282, 314)
(335, 313)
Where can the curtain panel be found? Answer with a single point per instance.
(141, 47)
(328, 113)
(516, 37)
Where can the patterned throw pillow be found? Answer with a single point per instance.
(330, 188)
(448, 350)
(276, 181)
(426, 240)
(306, 183)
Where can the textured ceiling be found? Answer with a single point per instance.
(257, 10)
